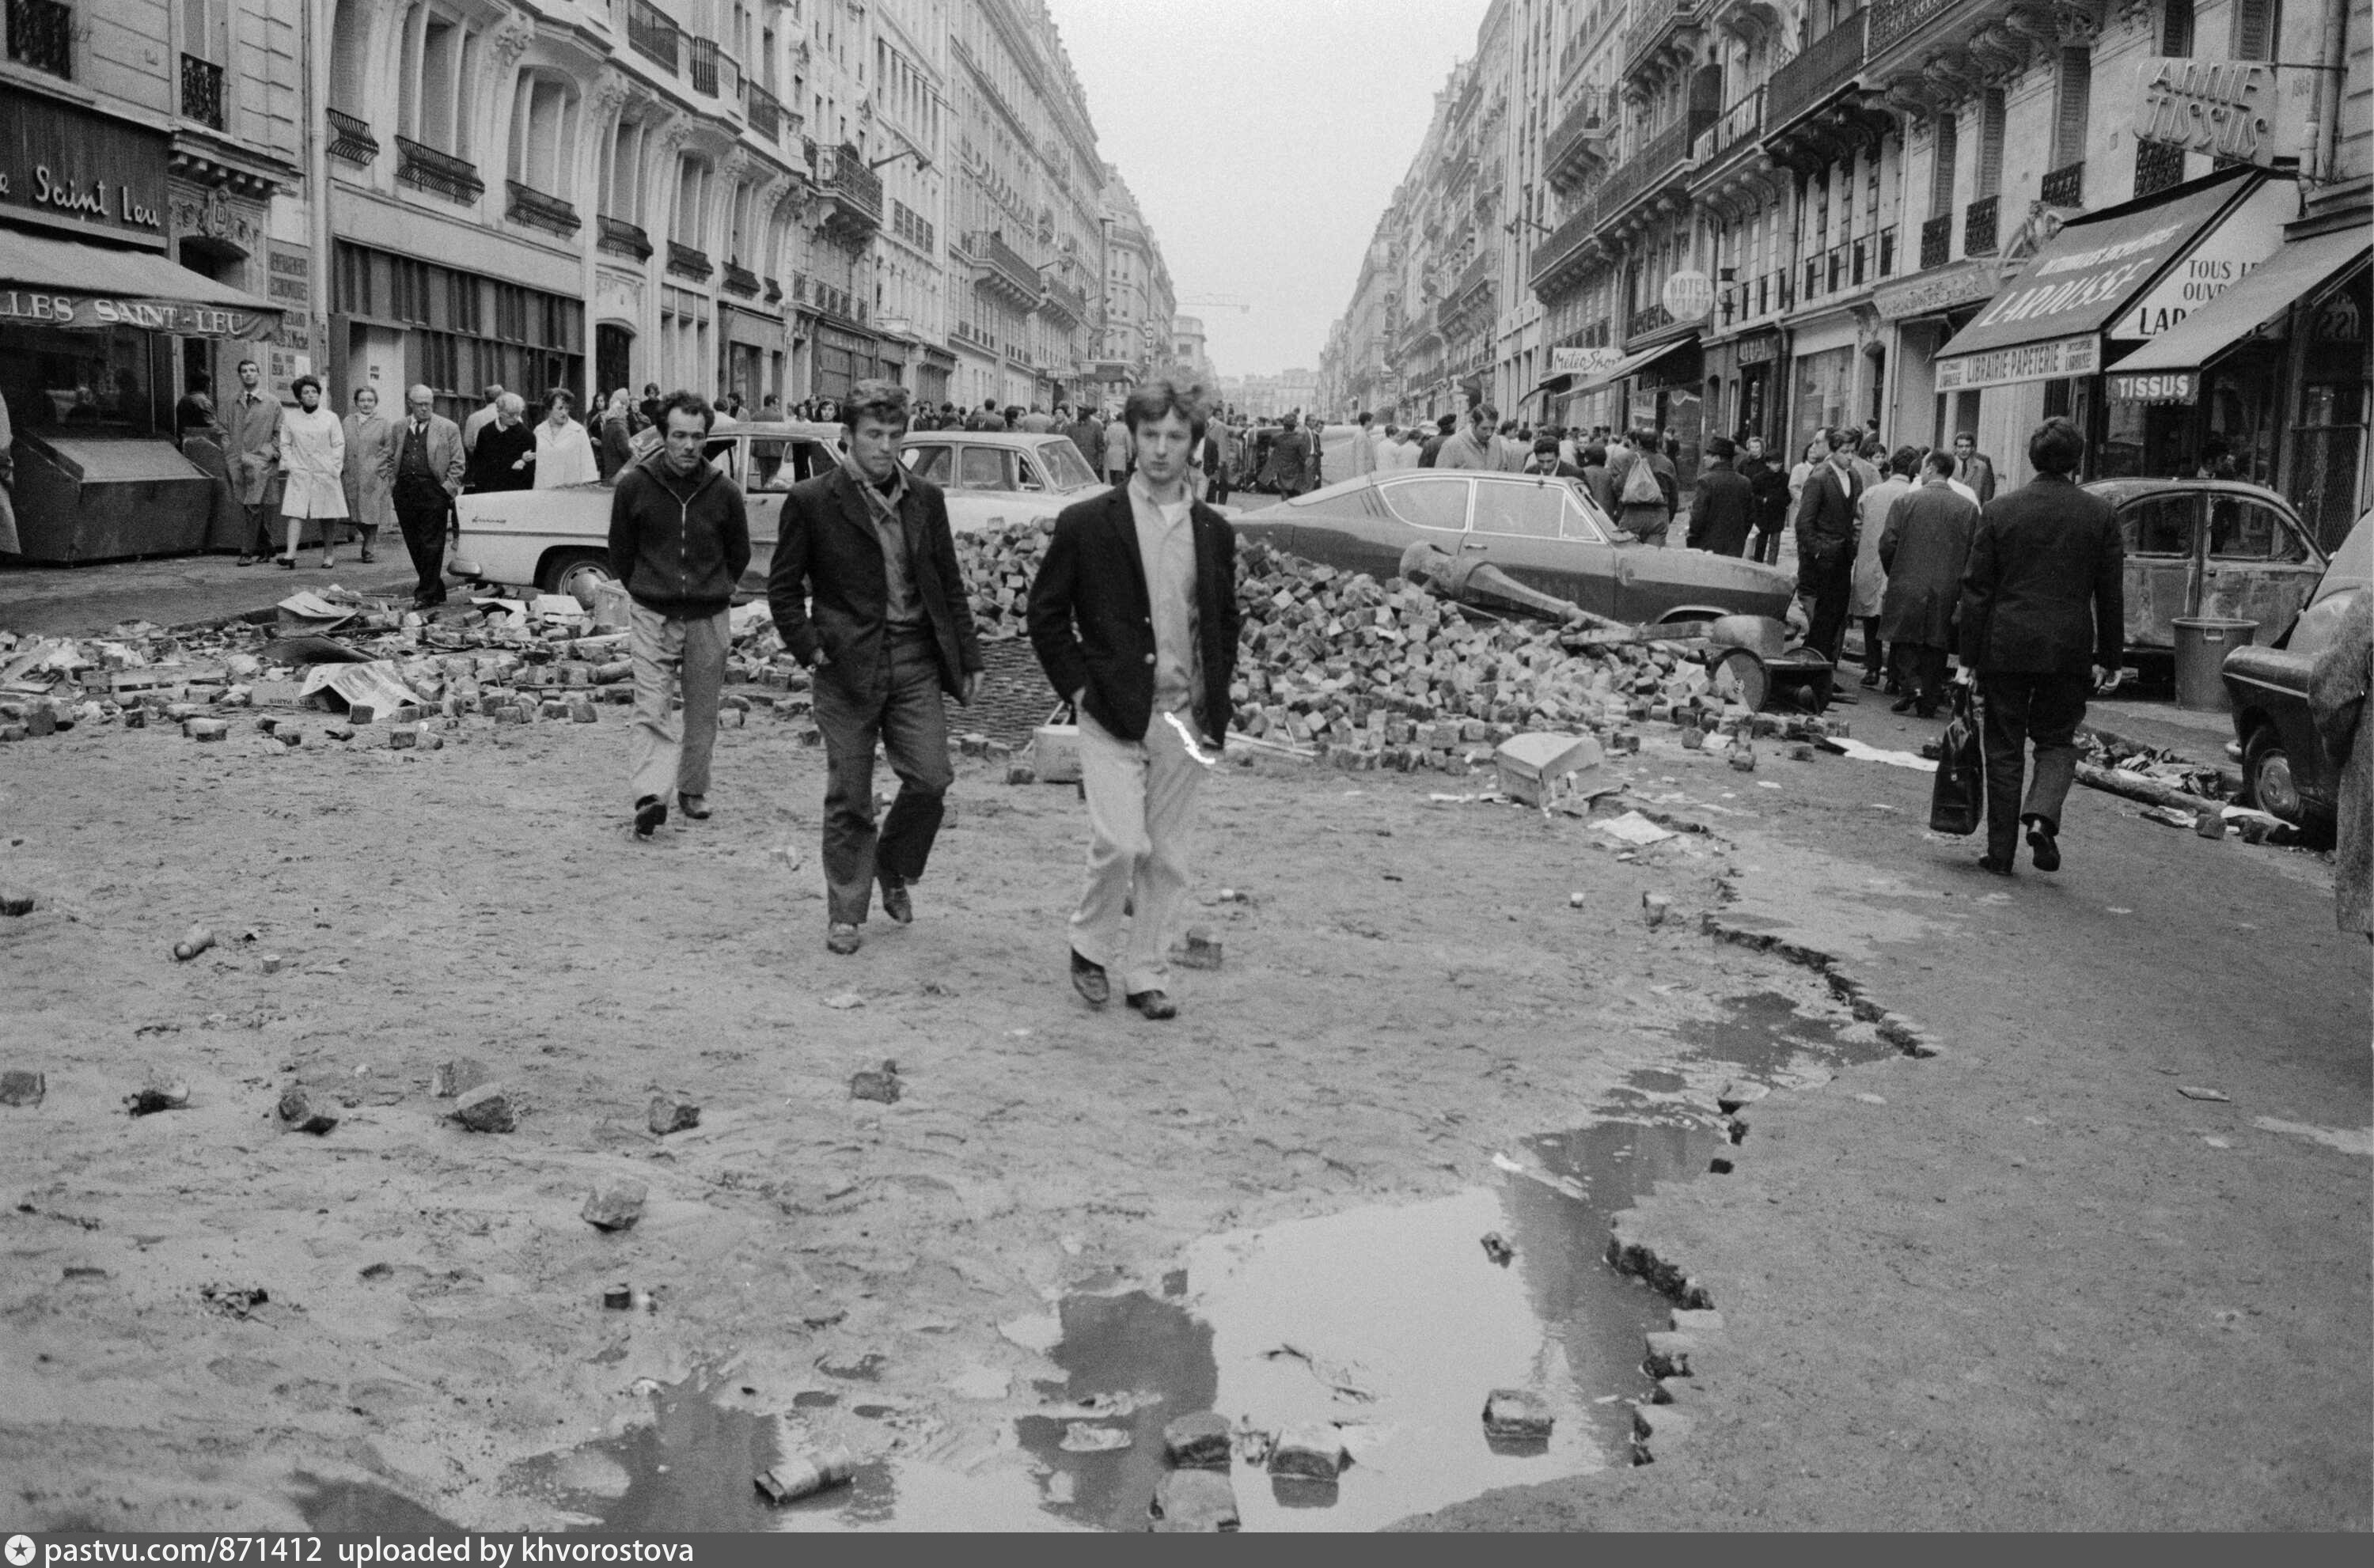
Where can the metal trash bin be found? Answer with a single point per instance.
(2202, 644)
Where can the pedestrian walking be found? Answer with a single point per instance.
(489, 410)
(1770, 483)
(1826, 542)
(1870, 572)
(866, 591)
(1116, 452)
(1038, 422)
(1088, 436)
(371, 441)
(1722, 508)
(251, 437)
(1545, 461)
(1291, 457)
(1595, 479)
(1973, 468)
(313, 451)
(617, 448)
(1134, 617)
(564, 454)
(504, 458)
(1364, 451)
(679, 543)
(2337, 690)
(423, 470)
(1642, 478)
(1924, 547)
(2042, 625)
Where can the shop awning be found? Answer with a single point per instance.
(2168, 368)
(1633, 363)
(57, 283)
(2048, 321)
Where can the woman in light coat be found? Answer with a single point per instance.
(313, 455)
(369, 502)
(564, 454)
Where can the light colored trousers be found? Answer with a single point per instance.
(1140, 805)
(665, 750)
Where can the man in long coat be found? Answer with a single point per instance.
(1826, 538)
(250, 423)
(1290, 457)
(1924, 546)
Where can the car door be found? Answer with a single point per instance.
(2258, 564)
(1517, 526)
(1432, 507)
(2162, 532)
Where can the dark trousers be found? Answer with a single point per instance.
(910, 721)
(1766, 546)
(1873, 655)
(1832, 584)
(421, 506)
(1921, 671)
(261, 516)
(2018, 709)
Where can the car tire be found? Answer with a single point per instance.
(2267, 777)
(1740, 676)
(575, 572)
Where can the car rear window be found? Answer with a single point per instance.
(2244, 530)
(1067, 470)
(930, 461)
(1439, 504)
(1525, 509)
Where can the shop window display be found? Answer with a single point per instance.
(79, 382)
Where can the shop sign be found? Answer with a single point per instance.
(87, 171)
(1962, 284)
(2226, 109)
(86, 312)
(1688, 295)
(2221, 258)
(1761, 349)
(1582, 361)
(2153, 386)
(2029, 362)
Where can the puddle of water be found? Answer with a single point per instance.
(1762, 1030)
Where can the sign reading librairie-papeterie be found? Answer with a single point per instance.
(2029, 362)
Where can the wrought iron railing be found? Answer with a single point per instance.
(1583, 125)
(202, 91)
(1743, 121)
(854, 184)
(1820, 69)
(701, 60)
(1937, 241)
(2065, 186)
(351, 138)
(623, 239)
(426, 169)
(653, 35)
(538, 210)
(2158, 165)
(1658, 158)
(41, 34)
(1579, 228)
(686, 261)
(1647, 318)
(1892, 20)
(764, 111)
(1978, 227)
(1662, 16)
(1063, 300)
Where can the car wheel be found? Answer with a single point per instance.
(575, 573)
(2267, 777)
(1740, 676)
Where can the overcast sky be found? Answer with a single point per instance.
(1263, 138)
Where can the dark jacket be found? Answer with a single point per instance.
(1722, 512)
(616, 449)
(2044, 592)
(491, 459)
(828, 588)
(1430, 451)
(677, 545)
(1825, 522)
(1092, 622)
(1924, 547)
(1771, 487)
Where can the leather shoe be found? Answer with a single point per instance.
(650, 812)
(1999, 866)
(895, 901)
(1871, 677)
(843, 938)
(2043, 844)
(1901, 705)
(695, 806)
(1154, 1004)
(1088, 979)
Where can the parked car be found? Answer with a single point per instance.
(2209, 548)
(1545, 532)
(995, 477)
(2284, 768)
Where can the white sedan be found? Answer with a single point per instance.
(995, 477)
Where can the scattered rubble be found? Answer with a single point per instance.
(1197, 1441)
(616, 1205)
(1311, 1452)
(306, 1110)
(1517, 1414)
(18, 1087)
(148, 1100)
(194, 940)
(15, 901)
(487, 1109)
(672, 1113)
(882, 1086)
(1497, 1249)
(805, 1476)
(1193, 1502)
(458, 1077)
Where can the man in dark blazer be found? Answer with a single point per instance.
(1924, 547)
(1722, 509)
(866, 593)
(1826, 543)
(1973, 467)
(2043, 624)
(1134, 616)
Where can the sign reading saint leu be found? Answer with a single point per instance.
(83, 169)
(181, 318)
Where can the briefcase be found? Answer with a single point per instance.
(1055, 747)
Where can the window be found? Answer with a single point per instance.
(205, 30)
(2243, 530)
(2257, 26)
(779, 464)
(1941, 168)
(1990, 142)
(2176, 28)
(2077, 90)
(544, 116)
(930, 461)
(1581, 523)
(983, 468)
(622, 197)
(349, 63)
(719, 451)
(437, 53)
(1521, 510)
(1439, 504)
(2159, 525)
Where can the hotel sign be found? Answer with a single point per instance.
(2049, 361)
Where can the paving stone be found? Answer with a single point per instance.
(1193, 1502)
(18, 1087)
(616, 1205)
(1198, 1440)
(1517, 1413)
(673, 1113)
(306, 1110)
(1314, 1451)
(487, 1109)
(1669, 1354)
(459, 1076)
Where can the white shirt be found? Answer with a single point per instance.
(1165, 548)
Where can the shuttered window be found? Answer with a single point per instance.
(1941, 171)
(2176, 28)
(2076, 88)
(1991, 141)
(2256, 24)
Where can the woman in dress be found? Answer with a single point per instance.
(564, 454)
(313, 452)
(369, 503)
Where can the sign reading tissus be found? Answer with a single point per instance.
(2217, 107)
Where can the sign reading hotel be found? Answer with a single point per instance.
(2028, 362)
(1688, 295)
(2226, 109)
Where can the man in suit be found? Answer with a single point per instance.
(422, 467)
(1826, 543)
(1972, 469)
(2043, 625)
(251, 437)
(1722, 509)
(1770, 484)
(866, 593)
(1924, 546)
(1134, 617)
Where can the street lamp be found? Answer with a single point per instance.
(922, 163)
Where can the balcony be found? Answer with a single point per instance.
(2065, 186)
(1748, 298)
(41, 34)
(1978, 227)
(2158, 165)
(202, 91)
(1740, 123)
(1581, 144)
(1893, 21)
(1663, 20)
(538, 210)
(966, 332)
(1002, 269)
(351, 140)
(623, 239)
(1470, 296)
(1565, 253)
(701, 59)
(741, 280)
(651, 34)
(683, 261)
(440, 174)
(855, 193)
(1816, 75)
(1064, 303)
(765, 113)
(1662, 156)
(1937, 241)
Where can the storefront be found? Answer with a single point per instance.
(1739, 401)
(1654, 388)
(754, 354)
(843, 357)
(1923, 314)
(93, 318)
(1821, 381)
(933, 366)
(2103, 285)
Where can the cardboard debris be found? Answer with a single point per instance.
(375, 686)
(1632, 828)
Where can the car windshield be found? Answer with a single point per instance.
(1066, 469)
(2354, 562)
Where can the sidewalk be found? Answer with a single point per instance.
(84, 601)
